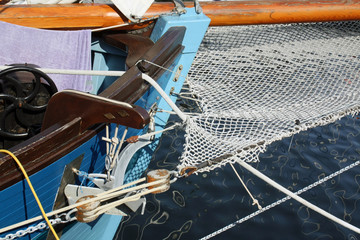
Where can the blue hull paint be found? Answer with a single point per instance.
(18, 199)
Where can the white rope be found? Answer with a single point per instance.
(255, 201)
(186, 93)
(115, 144)
(274, 204)
(147, 135)
(159, 66)
(291, 140)
(174, 113)
(100, 197)
(107, 136)
(111, 156)
(297, 198)
(100, 210)
(120, 145)
(75, 72)
(164, 95)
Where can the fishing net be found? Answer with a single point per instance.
(260, 84)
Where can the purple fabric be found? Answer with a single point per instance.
(48, 49)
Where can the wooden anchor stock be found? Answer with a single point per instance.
(92, 109)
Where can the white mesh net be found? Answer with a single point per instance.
(259, 84)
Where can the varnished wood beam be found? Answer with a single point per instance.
(80, 16)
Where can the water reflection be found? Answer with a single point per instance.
(201, 204)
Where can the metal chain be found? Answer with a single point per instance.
(62, 218)
(274, 204)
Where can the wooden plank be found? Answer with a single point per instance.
(80, 16)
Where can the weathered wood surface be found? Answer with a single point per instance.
(80, 16)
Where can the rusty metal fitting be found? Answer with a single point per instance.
(187, 171)
(85, 212)
(133, 139)
(159, 174)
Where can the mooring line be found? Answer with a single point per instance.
(281, 201)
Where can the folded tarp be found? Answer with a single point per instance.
(48, 49)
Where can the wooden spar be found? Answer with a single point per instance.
(80, 16)
(283, 11)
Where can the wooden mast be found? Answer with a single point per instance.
(80, 16)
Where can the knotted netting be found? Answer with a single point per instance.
(260, 84)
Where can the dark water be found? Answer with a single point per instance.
(201, 204)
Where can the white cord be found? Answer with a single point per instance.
(255, 201)
(164, 95)
(75, 72)
(297, 198)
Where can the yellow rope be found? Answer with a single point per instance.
(32, 189)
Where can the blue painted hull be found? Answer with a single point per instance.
(17, 201)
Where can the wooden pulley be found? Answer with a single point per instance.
(159, 174)
(85, 212)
